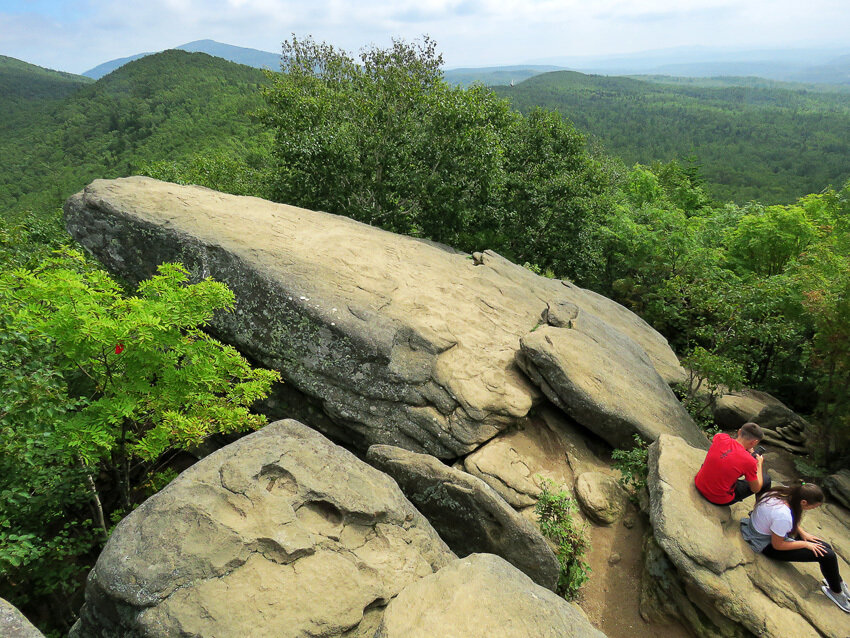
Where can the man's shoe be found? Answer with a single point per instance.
(838, 599)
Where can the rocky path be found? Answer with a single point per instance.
(611, 598)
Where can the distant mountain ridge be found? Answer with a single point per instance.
(826, 66)
(240, 55)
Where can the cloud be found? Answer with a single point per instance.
(80, 34)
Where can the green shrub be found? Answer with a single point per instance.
(633, 467)
(555, 511)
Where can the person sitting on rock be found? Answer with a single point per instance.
(719, 479)
(775, 521)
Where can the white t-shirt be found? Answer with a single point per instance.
(772, 515)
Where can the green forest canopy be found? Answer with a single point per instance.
(752, 142)
(163, 107)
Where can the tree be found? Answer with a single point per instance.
(388, 142)
(97, 389)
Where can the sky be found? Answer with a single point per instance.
(76, 35)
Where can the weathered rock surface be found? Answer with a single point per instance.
(605, 381)
(838, 485)
(13, 624)
(467, 513)
(548, 446)
(399, 340)
(281, 533)
(601, 497)
(725, 589)
(733, 409)
(482, 596)
(782, 426)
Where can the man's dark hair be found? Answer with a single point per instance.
(752, 431)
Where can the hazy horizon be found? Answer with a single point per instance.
(78, 35)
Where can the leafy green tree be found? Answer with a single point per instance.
(388, 142)
(97, 389)
(555, 196)
(823, 277)
(766, 239)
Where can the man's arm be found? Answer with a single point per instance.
(755, 486)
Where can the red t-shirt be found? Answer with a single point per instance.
(724, 464)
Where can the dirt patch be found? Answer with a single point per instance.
(612, 595)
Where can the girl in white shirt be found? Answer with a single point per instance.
(774, 530)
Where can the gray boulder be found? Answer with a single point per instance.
(732, 409)
(604, 381)
(281, 533)
(392, 339)
(717, 583)
(601, 497)
(838, 485)
(482, 596)
(13, 624)
(467, 513)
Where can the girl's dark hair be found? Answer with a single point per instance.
(794, 495)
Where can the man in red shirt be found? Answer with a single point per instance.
(719, 479)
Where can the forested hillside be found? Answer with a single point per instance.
(27, 90)
(769, 144)
(166, 106)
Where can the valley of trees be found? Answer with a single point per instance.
(753, 142)
(105, 388)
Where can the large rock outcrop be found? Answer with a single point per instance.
(281, 533)
(400, 341)
(723, 587)
(482, 596)
(467, 513)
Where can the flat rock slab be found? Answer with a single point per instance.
(281, 533)
(467, 513)
(400, 340)
(482, 596)
(13, 624)
(605, 381)
(722, 575)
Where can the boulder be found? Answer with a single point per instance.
(605, 381)
(281, 533)
(13, 624)
(467, 513)
(724, 588)
(548, 446)
(482, 596)
(732, 409)
(601, 497)
(393, 339)
(838, 485)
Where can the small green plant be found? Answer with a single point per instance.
(633, 467)
(555, 511)
(809, 469)
(712, 373)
